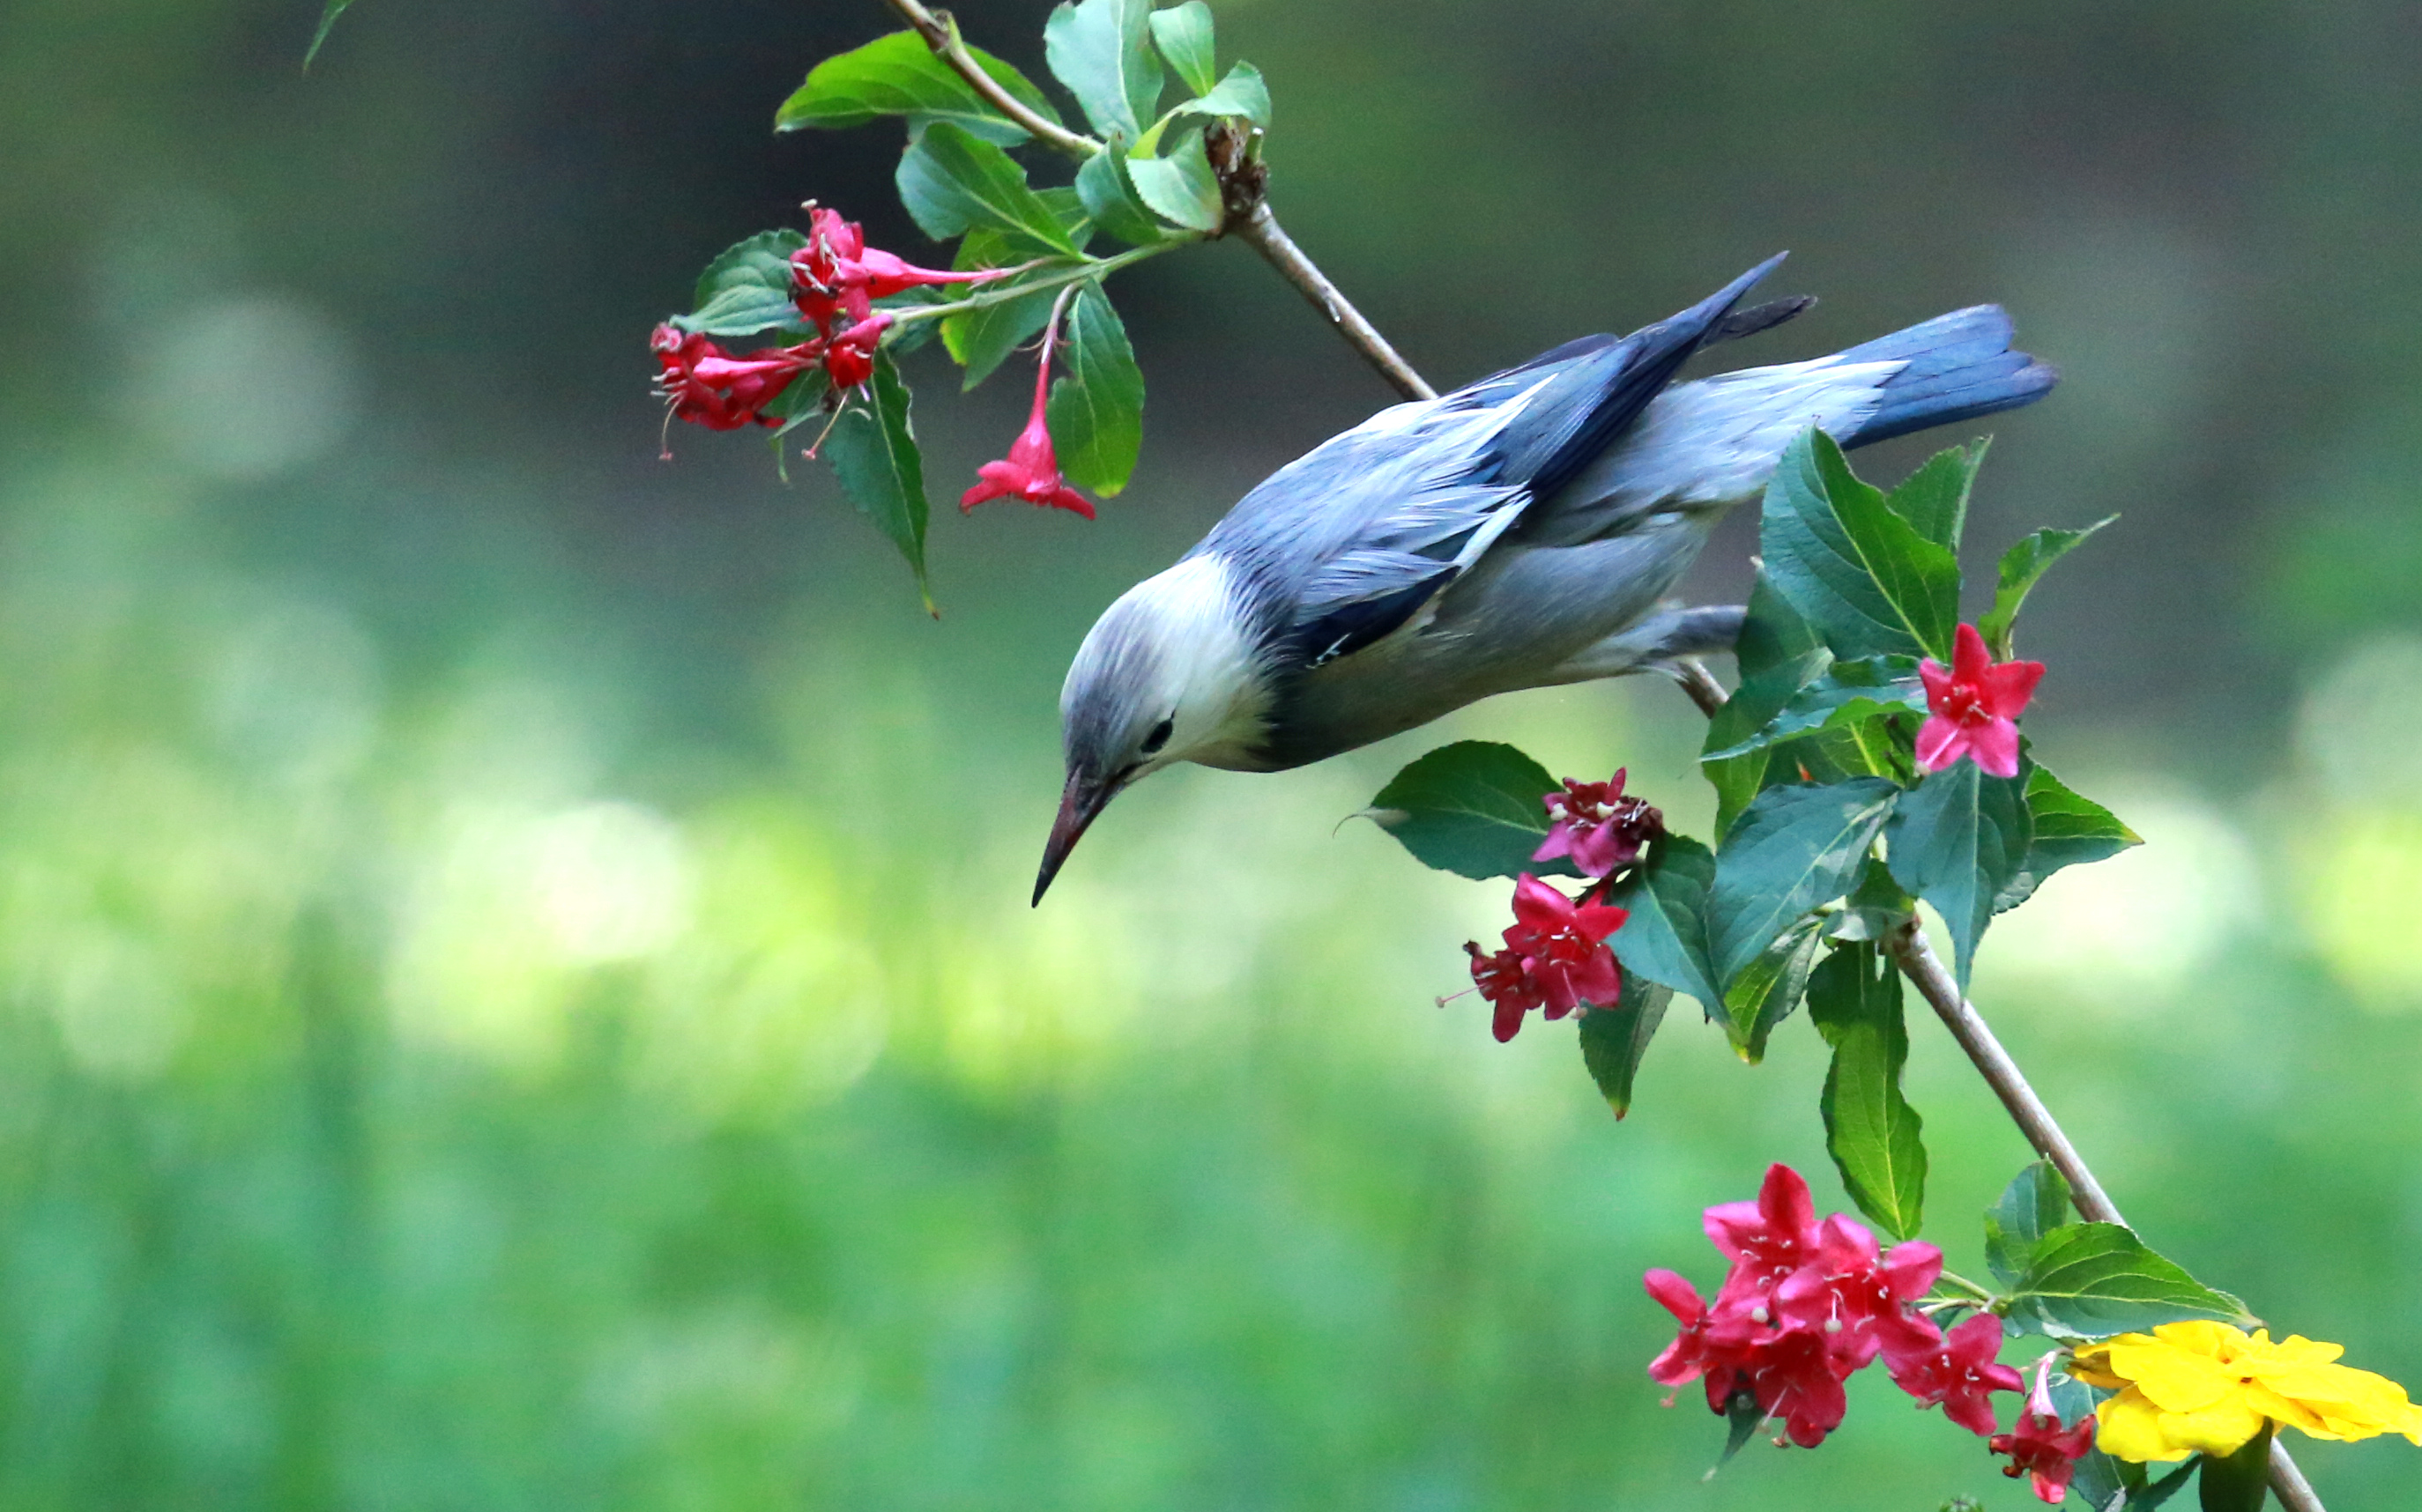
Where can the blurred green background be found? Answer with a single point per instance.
(515, 985)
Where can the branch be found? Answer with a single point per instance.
(1257, 226)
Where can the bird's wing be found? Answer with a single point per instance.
(1346, 544)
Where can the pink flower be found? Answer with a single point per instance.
(1789, 1372)
(1795, 1378)
(1564, 944)
(1702, 1349)
(1859, 1300)
(1032, 471)
(1973, 706)
(1504, 980)
(1595, 825)
(850, 357)
(1765, 1241)
(2039, 1446)
(709, 386)
(837, 274)
(1959, 1374)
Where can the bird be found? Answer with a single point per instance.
(1523, 531)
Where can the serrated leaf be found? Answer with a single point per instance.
(1869, 582)
(1241, 94)
(2155, 1492)
(1108, 193)
(981, 340)
(1614, 1039)
(2032, 1204)
(1934, 499)
(2239, 1482)
(1770, 988)
(2063, 831)
(1097, 412)
(1753, 705)
(901, 75)
(873, 448)
(2022, 566)
(1183, 33)
(1871, 1129)
(1665, 939)
(953, 183)
(1102, 51)
(1874, 909)
(1181, 188)
(1956, 841)
(746, 290)
(1792, 849)
(1773, 632)
(1474, 808)
(1844, 694)
(2094, 1280)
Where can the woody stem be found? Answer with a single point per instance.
(1258, 230)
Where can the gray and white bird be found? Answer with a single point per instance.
(1521, 532)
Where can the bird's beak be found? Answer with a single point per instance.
(1080, 802)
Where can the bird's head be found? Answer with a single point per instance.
(1170, 673)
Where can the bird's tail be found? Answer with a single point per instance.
(1959, 366)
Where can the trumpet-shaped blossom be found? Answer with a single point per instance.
(2039, 1446)
(1765, 1241)
(1564, 944)
(2207, 1388)
(709, 386)
(837, 274)
(1504, 980)
(849, 357)
(1031, 469)
(1959, 1374)
(1594, 824)
(1857, 1297)
(1973, 706)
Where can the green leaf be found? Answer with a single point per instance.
(1868, 581)
(1097, 412)
(2065, 831)
(1753, 705)
(1956, 841)
(1109, 195)
(1773, 633)
(1875, 908)
(2156, 1493)
(1934, 499)
(1183, 36)
(2032, 1204)
(320, 33)
(1793, 849)
(1742, 1416)
(901, 75)
(1844, 694)
(1665, 939)
(1102, 51)
(1474, 808)
(1242, 94)
(874, 448)
(1871, 1129)
(747, 288)
(1770, 988)
(1614, 1039)
(2099, 1483)
(951, 182)
(2022, 565)
(1181, 188)
(2238, 1481)
(2094, 1280)
(981, 340)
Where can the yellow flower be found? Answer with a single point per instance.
(2189, 1388)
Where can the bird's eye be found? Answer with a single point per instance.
(1159, 738)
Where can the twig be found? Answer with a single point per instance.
(1699, 683)
(1924, 969)
(1261, 232)
(1259, 227)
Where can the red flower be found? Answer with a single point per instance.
(1973, 706)
(1564, 944)
(709, 386)
(1790, 1372)
(1701, 1350)
(850, 357)
(1858, 1300)
(1504, 980)
(1959, 1374)
(1595, 825)
(838, 274)
(1797, 1380)
(1765, 1241)
(1032, 471)
(2038, 1445)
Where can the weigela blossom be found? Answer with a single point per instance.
(1504, 980)
(2039, 1446)
(1595, 825)
(1032, 469)
(709, 386)
(1805, 1304)
(849, 357)
(1563, 943)
(2207, 1388)
(837, 274)
(1959, 1375)
(1973, 706)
